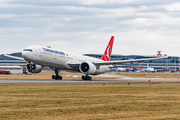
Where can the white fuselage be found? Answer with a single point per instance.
(59, 59)
(150, 70)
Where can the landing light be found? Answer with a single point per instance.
(69, 63)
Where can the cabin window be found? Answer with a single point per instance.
(28, 50)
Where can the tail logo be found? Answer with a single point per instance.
(108, 52)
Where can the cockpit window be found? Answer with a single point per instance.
(28, 50)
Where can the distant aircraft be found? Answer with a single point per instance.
(38, 56)
(121, 69)
(148, 69)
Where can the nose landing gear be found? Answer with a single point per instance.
(30, 67)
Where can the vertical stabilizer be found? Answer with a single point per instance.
(107, 53)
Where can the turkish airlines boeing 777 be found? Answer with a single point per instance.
(39, 56)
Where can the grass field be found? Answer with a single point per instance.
(134, 101)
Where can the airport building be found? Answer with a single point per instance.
(12, 61)
(12, 69)
(171, 64)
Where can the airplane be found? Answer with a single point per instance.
(148, 69)
(38, 56)
(123, 69)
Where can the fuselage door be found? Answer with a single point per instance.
(40, 53)
(55, 56)
(36, 52)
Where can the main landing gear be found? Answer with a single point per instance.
(86, 77)
(57, 77)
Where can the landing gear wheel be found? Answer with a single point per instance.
(86, 77)
(56, 77)
(83, 77)
(53, 77)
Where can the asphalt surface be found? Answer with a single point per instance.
(119, 80)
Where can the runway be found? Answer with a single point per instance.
(120, 80)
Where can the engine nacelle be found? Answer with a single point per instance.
(33, 68)
(87, 68)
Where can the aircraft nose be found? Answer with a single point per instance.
(24, 54)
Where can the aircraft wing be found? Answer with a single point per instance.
(114, 63)
(124, 61)
(76, 65)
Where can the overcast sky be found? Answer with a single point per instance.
(140, 27)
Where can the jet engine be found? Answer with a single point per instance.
(87, 68)
(33, 68)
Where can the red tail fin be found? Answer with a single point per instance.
(107, 53)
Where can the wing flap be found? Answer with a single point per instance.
(117, 66)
